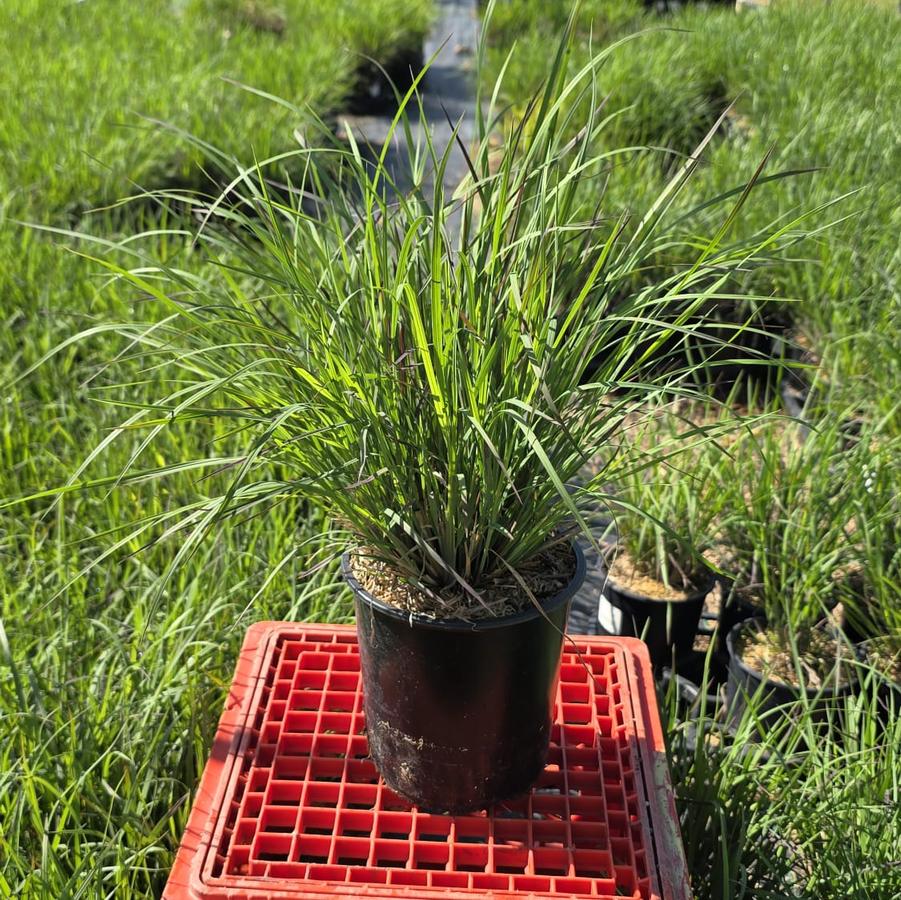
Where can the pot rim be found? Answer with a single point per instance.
(461, 625)
(699, 594)
(760, 623)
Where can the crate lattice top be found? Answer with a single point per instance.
(291, 805)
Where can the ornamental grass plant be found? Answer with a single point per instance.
(110, 683)
(770, 475)
(785, 524)
(869, 588)
(415, 361)
(807, 811)
(667, 509)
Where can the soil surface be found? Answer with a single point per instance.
(544, 575)
(884, 654)
(626, 573)
(770, 653)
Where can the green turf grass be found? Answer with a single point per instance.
(111, 682)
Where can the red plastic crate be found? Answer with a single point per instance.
(291, 806)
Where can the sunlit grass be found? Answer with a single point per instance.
(111, 681)
(86, 84)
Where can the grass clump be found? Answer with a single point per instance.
(667, 511)
(785, 504)
(427, 389)
(785, 529)
(819, 818)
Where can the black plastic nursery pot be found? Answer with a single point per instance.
(693, 694)
(734, 609)
(373, 90)
(668, 627)
(772, 699)
(458, 714)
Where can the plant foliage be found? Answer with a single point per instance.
(414, 360)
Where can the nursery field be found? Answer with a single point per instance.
(110, 688)
(801, 523)
(117, 644)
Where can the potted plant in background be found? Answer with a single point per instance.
(751, 493)
(869, 589)
(786, 504)
(665, 509)
(413, 362)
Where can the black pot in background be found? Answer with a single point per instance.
(667, 626)
(773, 699)
(734, 609)
(373, 90)
(692, 693)
(458, 715)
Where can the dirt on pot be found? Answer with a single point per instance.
(771, 653)
(544, 575)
